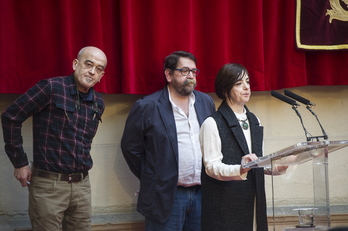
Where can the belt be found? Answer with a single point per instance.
(71, 178)
(189, 187)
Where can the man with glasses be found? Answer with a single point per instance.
(161, 146)
(66, 112)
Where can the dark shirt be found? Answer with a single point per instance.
(64, 125)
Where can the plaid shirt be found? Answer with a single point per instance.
(63, 126)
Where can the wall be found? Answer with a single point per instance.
(114, 186)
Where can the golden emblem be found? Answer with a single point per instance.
(338, 11)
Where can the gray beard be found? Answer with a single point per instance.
(182, 90)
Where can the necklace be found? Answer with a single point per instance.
(240, 118)
(245, 125)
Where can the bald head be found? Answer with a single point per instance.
(89, 67)
(94, 51)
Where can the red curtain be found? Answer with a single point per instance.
(40, 38)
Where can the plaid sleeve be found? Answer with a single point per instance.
(12, 118)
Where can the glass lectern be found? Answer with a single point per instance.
(313, 212)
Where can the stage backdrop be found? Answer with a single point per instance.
(40, 38)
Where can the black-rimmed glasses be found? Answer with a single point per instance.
(186, 71)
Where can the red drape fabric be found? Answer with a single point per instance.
(40, 38)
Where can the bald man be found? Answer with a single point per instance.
(66, 112)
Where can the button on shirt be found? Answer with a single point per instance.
(64, 125)
(190, 155)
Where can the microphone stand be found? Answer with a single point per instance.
(325, 136)
(308, 135)
(309, 106)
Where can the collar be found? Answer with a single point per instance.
(89, 96)
(192, 98)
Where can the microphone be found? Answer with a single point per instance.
(309, 105)
(294, 107)
(284, 98)
(298, 98)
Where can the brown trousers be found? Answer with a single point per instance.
(59, 205)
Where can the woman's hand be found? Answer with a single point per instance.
(246, 159)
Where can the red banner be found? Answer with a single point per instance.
(322, 25)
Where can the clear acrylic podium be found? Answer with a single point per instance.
(317, 182)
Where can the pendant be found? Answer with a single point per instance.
(245, 126)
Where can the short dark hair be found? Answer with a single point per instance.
(227, 77)
(171, 61)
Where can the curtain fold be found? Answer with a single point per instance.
(40, 38)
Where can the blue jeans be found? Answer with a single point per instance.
(186, 212)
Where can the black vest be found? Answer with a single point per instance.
(229, 205)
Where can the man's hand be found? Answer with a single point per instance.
(23, 175)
